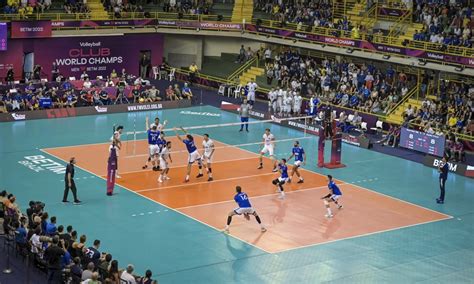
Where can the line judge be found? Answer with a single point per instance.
(69, 183)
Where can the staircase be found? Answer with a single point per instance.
(411, 31)
(397, 115)
(251, 75)
(97, 10)
(243, 9)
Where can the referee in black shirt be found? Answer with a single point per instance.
(69, 183)
(443, 176)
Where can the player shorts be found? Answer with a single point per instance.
(282, 179)
(298, 163)
(194, 156)
(251, 97)
(163, 164)
(240, 211)
(267, 149)
(335, 197)
(244, 119)
(207, 158)
(153, 149)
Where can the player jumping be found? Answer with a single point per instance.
(164, 157)
(279, 182)
(153, 144)
(244, 208)
(208, 146)
(268, 146)
(159, 127)
(193, 153)
(332, 197)
(300, 159)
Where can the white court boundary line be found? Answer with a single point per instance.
(256, 197)
(169, 208)
(203, 182)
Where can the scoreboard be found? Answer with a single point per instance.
(3, 36)
(422, 142)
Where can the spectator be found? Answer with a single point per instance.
(147, 279)
(113, 273)
(53, 256)
(187, 93)
(127, 275)
(93, 280)
(193, 70)
(92, 254)
(87, 274)
(51, 226)
(76, 270)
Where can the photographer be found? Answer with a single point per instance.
(53, 255)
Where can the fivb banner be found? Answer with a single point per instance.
(31, 29)
(95, 55)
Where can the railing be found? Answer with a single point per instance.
(404, 99)
(398, 27)
(242, 68)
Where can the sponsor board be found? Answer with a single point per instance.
(92, 110)
(18, 116)
(302, 126)
(454, 167)
(39, 163)
(187, 112)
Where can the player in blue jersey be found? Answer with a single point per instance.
(300, 159)
(153, 135)
(194, 155)
(333, 196)
(245, 208)
(280, 181)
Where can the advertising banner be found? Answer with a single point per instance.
(391, 12)
(93, 110)
(74, 55)
(454, 167)
(31, 29)
(3, 36)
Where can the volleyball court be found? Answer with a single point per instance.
(296, 221)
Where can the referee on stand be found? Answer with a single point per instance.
(443, 176)
(69, 183)
(244, 115)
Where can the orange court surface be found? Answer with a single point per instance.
(297, 221)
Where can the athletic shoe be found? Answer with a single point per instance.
(247, 130)
(226, 230)
(199, 175)
(210, 179)
(77, 202)
(340, 207)
(167, 178)
(263, 230)
(260, 167)
(65, 201)
(156, 169)
(117, 176)
(160, 180)
(275, 170)
(109, 193)
(281, 197)
(145, 167)
(288, 180)
(186, 180)
(300, 181)
(439, 201)
(328, 215)
(241, 130)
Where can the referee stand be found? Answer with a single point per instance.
(336, 148)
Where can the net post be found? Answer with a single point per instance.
(134, 134)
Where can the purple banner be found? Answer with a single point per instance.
(31, 29)
(468, 61)
(391, 12)
(95, 55)
(3, 36)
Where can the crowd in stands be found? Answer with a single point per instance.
(26, 8)
(61, 93)
(121, 8)
(451, 112)
(361, 87)
(60, 251)
(447, 23)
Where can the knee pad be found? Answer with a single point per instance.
(326, 202)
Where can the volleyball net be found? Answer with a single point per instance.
(134, 142)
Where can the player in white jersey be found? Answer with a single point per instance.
(279, 101)
(209, 149)
(297, 101)
(268, 147)
(158, 125)
(251, 88)
(287, 104)
(272, 101)
(165, 156)
(116, 138)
